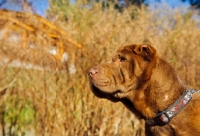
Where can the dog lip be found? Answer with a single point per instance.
(100, 88)
(100, 82)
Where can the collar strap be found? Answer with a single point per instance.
(166, 116)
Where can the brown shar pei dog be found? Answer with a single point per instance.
(150, 88)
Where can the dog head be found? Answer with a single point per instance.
(130, 67)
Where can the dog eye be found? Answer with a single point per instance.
(121, 58)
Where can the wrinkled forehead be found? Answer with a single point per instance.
(129, 49)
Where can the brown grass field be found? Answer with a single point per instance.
(49, 101)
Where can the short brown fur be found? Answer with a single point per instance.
(146, 85)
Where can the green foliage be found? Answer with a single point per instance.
(20, 112)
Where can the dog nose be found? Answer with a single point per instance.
(93, 71)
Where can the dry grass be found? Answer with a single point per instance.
(54, 102)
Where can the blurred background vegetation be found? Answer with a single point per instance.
(44, 62)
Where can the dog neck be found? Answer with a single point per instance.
(165, 86)
(159, 92)
(165, 116)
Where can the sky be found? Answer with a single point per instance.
(40, 6)
(171, 3)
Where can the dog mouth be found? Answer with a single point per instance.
(100, 82)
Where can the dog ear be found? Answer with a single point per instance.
(146, 51)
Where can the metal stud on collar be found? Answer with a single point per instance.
(196, 91)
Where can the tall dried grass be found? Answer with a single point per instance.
(54, 102)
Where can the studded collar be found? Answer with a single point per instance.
(166, 116)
